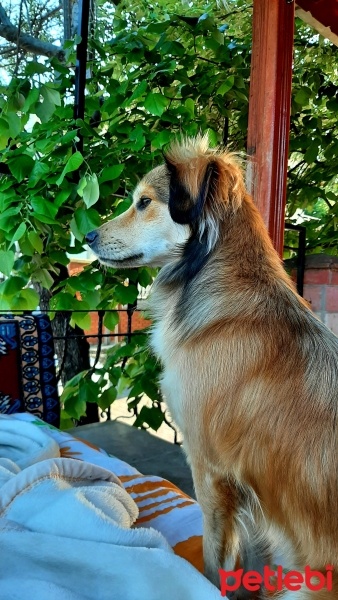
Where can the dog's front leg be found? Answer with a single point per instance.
(219, 502)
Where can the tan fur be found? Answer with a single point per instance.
(250, 377)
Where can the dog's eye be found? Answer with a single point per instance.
(143, 203)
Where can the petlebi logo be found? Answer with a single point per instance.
(276, 579)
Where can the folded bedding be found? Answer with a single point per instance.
(77, 523)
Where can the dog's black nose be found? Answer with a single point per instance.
(91, 237)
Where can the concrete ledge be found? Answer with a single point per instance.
(147, 453)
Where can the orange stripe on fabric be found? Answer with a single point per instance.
(150, 495)
(154, 485)
(162, 512)
(164, 501)
(192, 550)
(127, 478)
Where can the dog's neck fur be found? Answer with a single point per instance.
(224, 286)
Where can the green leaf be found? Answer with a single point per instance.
(91, 192)
(144, 277)
(312, 152)
(111, 173)
(152, 416)
(32, 98)
(63, 301)
(93, 299)
(190, 106)
(302, 96)
(12, 285)
(81, 319)
(44, 277)
(51, 95)
(35, 240)
(81, 186)
(73, 163)
(110, 320)
(19, 232)
(39, 171)
(88, 390)
(6, 262)
(125, 294)
(226, 85)
(75, 230)
(66, 422)
(150, 388)
(5, 304)
(34, 67)
(14, 123)
(138, 92)
(75, 406)
(62, 196)
(31, 297)
(9, 212)
(25, 246)
(161, 139)
(213, 138)
(122, 207)
(44, 210)
(45, 110)
(107, 398)
(156, 104)
(85, 281)
(21, 166)
(87, 220)
(332, 105)
(217, 36)
(59, 256)
(74, 381)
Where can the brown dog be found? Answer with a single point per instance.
(250, 374)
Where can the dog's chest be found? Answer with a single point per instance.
(163, 338)
(163, 344)
(157, 341)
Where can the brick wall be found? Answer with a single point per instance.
(76, 266)
(321, 288)
(138, 322)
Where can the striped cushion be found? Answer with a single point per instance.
(161, 504)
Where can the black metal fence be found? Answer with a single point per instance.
(298, 248)
(99, 336)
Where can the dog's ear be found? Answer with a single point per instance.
(189, 190)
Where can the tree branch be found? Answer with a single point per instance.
(4, 19)
(50, 14)
(25, 41)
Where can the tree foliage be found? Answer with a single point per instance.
(313, 180)
(155, 72)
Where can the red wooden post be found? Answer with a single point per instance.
(269, 111)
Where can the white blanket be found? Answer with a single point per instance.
(66, 531)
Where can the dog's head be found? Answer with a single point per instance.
(183, 199)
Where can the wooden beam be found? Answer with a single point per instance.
(269, 111)
(329, 31)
